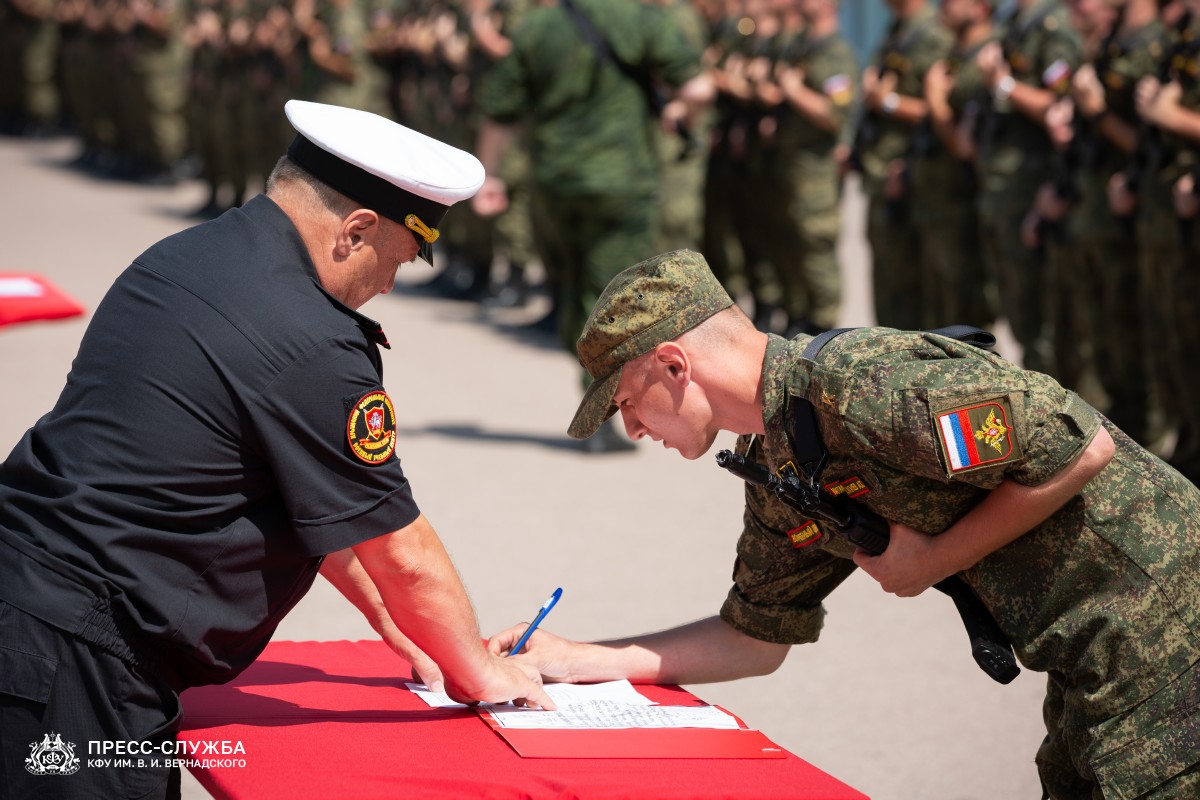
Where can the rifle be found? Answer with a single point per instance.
(868, 531)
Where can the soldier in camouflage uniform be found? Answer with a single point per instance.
(338, 68)
(1169, 235)
(1069, 351)
(723, 167)
(595, 169)
(1104, 243)
(29, 101)
(492, 23)
(814, 81)
(156, 132)
(681, 213)
(1027, 71)
(750, 144)
(893, 106)
(944, 181)
(1084, 546)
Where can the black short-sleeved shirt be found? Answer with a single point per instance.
(224, 425)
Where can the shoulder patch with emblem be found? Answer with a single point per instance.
(839, 89)
(1057, 76)
(977, 435)
(808, 533)
(371, 428)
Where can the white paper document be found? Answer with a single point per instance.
(20, 287)
(563, 694)
(592, 714)
(614, 704)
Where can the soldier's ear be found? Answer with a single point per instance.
(674, 362)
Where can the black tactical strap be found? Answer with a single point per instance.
(967, 334)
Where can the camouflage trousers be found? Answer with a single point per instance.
(895, 256)
(805, 219)
(1111, 285)
(1020, 278)
(957, 287)
(1151, 752)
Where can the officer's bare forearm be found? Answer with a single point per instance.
(343, 570)
(705, 651)
(426, 599)
(1012, 509)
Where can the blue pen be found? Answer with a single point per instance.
(542, 612)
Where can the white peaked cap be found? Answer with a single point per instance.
(387, 167)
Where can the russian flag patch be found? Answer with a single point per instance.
(977, 435)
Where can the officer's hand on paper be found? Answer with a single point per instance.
(505, 680)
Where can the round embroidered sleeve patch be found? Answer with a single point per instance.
(371, 428)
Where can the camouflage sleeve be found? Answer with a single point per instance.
(778, 586)
(1060, 58)
(835, 74)
(1060, 425)
(934, 46)
(969, 417)
(675, 59)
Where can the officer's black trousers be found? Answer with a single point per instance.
(63, 703)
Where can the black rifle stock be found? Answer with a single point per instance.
(868, 531)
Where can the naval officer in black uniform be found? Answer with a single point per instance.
(224, 435)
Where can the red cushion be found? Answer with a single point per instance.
(25, 298)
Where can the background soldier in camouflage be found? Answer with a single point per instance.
(944, 180)
(1103, 240)
(893, 106)
(595, 169)
(1026, 71)
(1070, 324)
(681, 213)
(492, 24)
(1082, 544)
(726, 151)
(750, 146)
(29, 101)
(813, 90)
(1170, 238)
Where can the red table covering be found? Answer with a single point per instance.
(26, 298)
(333, 720)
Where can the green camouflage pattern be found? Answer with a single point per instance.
(1128, 58)
(1015, 155)
(1036, 39)
(652, 302)
(909, 50)
(945, 213)
(799, 187)
(590, 125)
(1103, 595)
(831, 69)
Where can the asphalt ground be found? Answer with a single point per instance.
(889, 700)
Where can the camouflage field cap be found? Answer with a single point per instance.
(650, 303)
